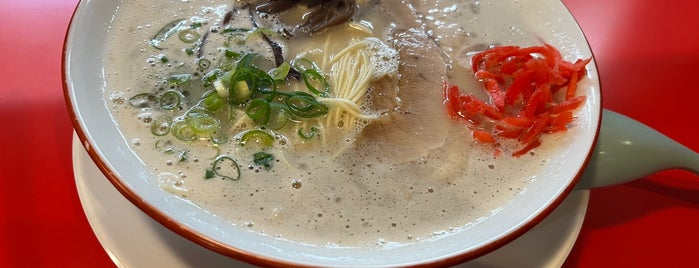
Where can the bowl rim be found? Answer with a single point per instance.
(261, 260)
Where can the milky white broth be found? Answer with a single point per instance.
(362, 193)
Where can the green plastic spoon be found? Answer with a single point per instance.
(627, 150)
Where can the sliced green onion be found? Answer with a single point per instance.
(171, 99)
(263, 81)
(260, 137)
(183, 131)
(169, 150)
(246, 61)
(316, 83)
(211, 76)
(165, 32)
(221, 89)
(161, 126)
(317, 110)
(260, 31)
(280, 73)
(209, 174)
(204, 63)
(197, 111)
(277, 96)
(212, 101)
(231, 54)
(204, 126)
(226, 167)
(259, 111)
(256, 80)
(303, 64)
(234, 39)
(160, 144)
(143, 100)
(304, 105)
(309, 135)
(263, 159)
(189, 36)
(227, 77)
(179, 79)
(182, 156)
(279, 116)
(300, 101)
(239, 92)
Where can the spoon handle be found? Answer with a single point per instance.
(627, 150)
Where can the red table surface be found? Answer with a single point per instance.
(647, 52)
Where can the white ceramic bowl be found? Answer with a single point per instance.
(84, 88)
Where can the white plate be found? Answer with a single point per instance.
(132, 239)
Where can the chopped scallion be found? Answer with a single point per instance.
(309, 135)
(260, 137)
(204, 64)
(303, 64)
(179, 79)
(278, 117)
(171, 99)
(239, 92)
(213, 101)
(209, 174)
(161, 126)
(231, 54)
(189, 36)
(259, 111)
(165, 32)
(226, 167)
(143, 100)
(183, 131)
(204, 126)
(182, 156)
(280, 73)
(305, 105)
(316, 83)
(263, 159)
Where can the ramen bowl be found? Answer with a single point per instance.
(85, 72)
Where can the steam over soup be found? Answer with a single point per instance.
(324, 128)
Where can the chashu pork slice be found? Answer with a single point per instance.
(416, 122)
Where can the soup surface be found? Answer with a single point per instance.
(383, 166)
